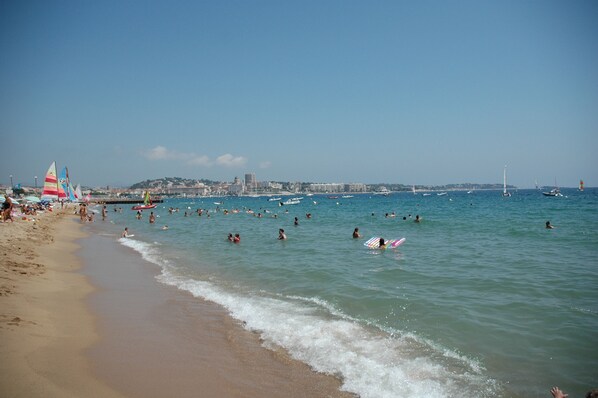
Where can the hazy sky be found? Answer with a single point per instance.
(414, 92)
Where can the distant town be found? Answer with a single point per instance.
(249, 186)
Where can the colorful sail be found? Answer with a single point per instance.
(147, 201)
(71, 192)
(50, 191)
(63, 184)
(581, 185)
(78, 193)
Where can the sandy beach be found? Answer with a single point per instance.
(44, 322)
(82, 316)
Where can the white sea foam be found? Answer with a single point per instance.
(369, 361)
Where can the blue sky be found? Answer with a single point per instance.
(418, 92)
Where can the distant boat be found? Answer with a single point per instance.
(292, 201)
(553, 192)
(147, 203)
(441, 194)
(347, 196)
(427, 194)
(382, 191)
(505, 193)
(413, 190)
(274, 199)
(581, 185)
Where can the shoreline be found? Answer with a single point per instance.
(81, 314)
(159, 341)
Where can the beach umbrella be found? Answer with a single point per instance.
(33, 199)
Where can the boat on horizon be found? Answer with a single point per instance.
(505, 193)
(553, 192)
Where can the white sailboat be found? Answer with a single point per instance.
(505, 193)
(553, 192)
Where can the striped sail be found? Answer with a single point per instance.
(50, 191)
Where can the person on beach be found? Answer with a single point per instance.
(7, 209)
(549, 225)
(125, 233)
(104, 213)
(356, 233)
(152, 218)
(83, 212)
(281, 234)
(139, 215)
(237, 238)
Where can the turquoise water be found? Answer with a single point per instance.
(480, 301)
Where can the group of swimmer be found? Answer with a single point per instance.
(234, 239)
(392, 215)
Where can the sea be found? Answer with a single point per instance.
(481, 300)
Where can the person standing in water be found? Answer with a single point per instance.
(281, 234)
(356, 233)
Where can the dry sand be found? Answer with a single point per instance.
(127, 335)
(44, 322)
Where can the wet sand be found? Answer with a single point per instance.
(157, 341)
(81, 315)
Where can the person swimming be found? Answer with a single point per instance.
(549, 225)
(356, 233)
(281, 234)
